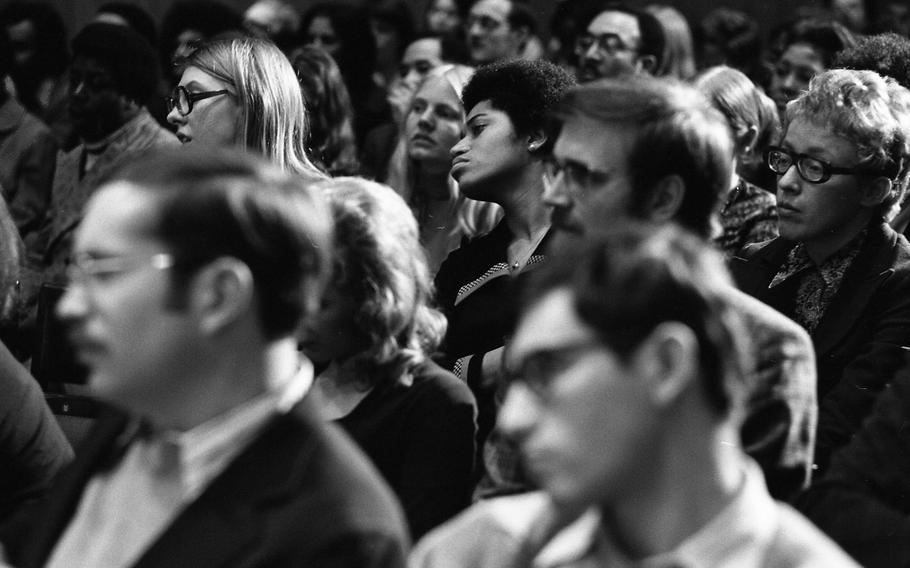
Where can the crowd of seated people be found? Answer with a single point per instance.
(450, 285)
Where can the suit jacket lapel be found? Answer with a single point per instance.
(224, 521)
(870, 269)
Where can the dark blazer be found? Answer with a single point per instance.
(860, 341)
(300, 495)
(863, 502)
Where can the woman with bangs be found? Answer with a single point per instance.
(837, 268)
(373, 338)
(243, 91)
(420, 166)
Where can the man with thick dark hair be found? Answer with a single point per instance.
(618, 40)
(628, 381)
(192, 273)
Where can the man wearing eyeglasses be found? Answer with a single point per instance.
(618, 40)
(113, 73)
(627, 369)
(193, 271)
(497, 30)
(838, 268)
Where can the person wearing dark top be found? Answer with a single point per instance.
(500, 160)
(374, 335)
(838, 269)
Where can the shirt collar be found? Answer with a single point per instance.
(831, 269)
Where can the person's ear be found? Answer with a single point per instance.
(647, 64)
(221, 293)
(536, 140)
(745, 139)
(876, 192)
(668, 361)
(666, 198)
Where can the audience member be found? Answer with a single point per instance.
(375, 332)
(678, 59)
(499, 160)
(805, 48)
(838, 269)
(129, 15)
(749, 213)
(40, 58)
(730, 37)
(498, 30)
(195, 268)
(392, 25)
(28, 153)
(331, 119)
(276, 20)
(186, 25)
(422, 161)
(446, 17)
(618, 40)
(244, 92)
(669, 158)
(628, 383)
(32, 446)
(113, 71)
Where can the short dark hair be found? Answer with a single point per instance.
(527, 91)
(653, 40)
(827, 37)
(130, 58)
(676, 132)
(627, 280)
(887, 54)
(208, 17)
(136, 17)
(734, 33)
(226, 202)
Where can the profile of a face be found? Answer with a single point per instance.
(434, 124)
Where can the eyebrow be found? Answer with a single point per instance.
(476, 116)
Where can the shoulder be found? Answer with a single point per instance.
(797, 542)
(476, 250)
(489, 534)
(433, 382)
(767, 322)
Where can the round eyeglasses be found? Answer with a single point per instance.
(810, 169)
(183, 100)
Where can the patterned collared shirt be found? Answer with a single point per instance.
(749, 216)
(817, 284)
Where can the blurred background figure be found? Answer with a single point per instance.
(422, 162)
(730, 37)
(38, 42)
(185, 26)
(331, 144)
(374, 336)
(446, 17)
(392, 25)
(749, 213)
(129, 15)
(679, 51)
(244, 92)
(276, 20)
(344, 32)
(499, 30)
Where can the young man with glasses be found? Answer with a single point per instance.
(193, 271)
(618, 40)
(628, 381)
(838, 269)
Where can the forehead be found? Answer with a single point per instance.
(88, 64)
(550, 322)
(438, 89)
(198, 77)
(496, 9)
(426, 49)
(118, 218)
(486, 109)
(321, 24)
(21, 32)
(619, 23)
(815, 138)
(597, 144)
(803, 54)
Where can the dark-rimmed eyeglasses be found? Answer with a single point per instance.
(576, 176)
(811, 169)
(183, 100)
(609, 44)
(538, 370)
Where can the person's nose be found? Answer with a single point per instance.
(425, 120)
(518, 413)
(73, 305)
(555, 191)
(175, 118)
(459, 148)
(790, 181)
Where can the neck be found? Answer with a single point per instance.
(821, 248)
(431, 183)
(524, 210)
(688, 485)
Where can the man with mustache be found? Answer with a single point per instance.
(618, 40)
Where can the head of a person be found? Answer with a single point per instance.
(640, 147)
(419, 58)
(619, 40)
(343, 30)
(752, 116)
(130, 15)
(186, 254)
(623, 340)
(847, 142)
(331, 118)
(37, 40)
(246, 93)
(678, 59)
(507, 107)
(113, 72)
(445, 17)
(728, 37)
(806, 48)
(276, 20)
(887, 54)
(392, 24)
(187, 25)
(497, 30)
(376, 312)
(436, 120)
